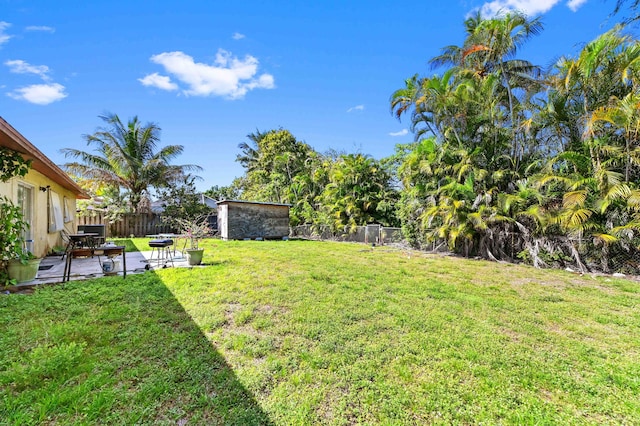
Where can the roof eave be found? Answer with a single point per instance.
(12, 139)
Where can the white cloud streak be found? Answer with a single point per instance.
(42, 28)
(356, 108)
(400, 133)
(39, 94)
(237, 36)
(160, 81)
(4, 37)
(529, 7)
(18, 66)
(227, 77)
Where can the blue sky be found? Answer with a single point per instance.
(211, 72)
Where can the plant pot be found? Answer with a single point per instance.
(194, 256)
(23, 273)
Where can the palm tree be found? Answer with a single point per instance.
(403, 99)
(492, 48)
(633, 6)
(623, 115)
(126, 157)
(250, 150)
(358, 192)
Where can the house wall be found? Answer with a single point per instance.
(43, 240)
(237, 221)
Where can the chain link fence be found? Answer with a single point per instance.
(582, 255)
(370, 234)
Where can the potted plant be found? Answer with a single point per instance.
(20, 264)
(194, 230)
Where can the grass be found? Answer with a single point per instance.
(303, 332)
(131, 244)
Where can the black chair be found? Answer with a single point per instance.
(94, 229)
(68, 244)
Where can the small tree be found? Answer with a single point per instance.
(194, 229)
(181, 202)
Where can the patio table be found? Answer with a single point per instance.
(110, 251)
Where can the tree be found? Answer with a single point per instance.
(12, 164)
(250, 150)
(181, 202)
(474, 110)
(490, 49)
(220, 193)
(271, 166)
(127, 157)
(359, 192)
(633, 6)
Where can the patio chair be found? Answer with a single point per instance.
(94, 229)
(68, 244)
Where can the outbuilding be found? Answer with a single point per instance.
(240, 220)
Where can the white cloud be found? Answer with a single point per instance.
(575, 4)
(3, 36)
(529, 7)
(39, 94)
(160, 81)
(356, 108)
(237, 36)
(43, 28)
(228, 76)
(400, 133)
(21, 67)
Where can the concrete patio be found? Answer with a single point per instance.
(52, 267)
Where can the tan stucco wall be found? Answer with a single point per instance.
(43, 240)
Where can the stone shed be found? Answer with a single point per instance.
(238, 220)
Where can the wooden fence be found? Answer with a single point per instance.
(137, 225)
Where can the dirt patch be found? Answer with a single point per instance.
(19, 289)
(511, 334)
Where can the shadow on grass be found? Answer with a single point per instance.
(113, 351)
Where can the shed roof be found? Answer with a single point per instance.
(12, 139)
(223, 202)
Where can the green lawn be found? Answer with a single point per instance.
(297, 332)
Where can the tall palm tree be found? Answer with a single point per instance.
(127, 157)
(403, 99)
(489, 49)
(250, 150)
